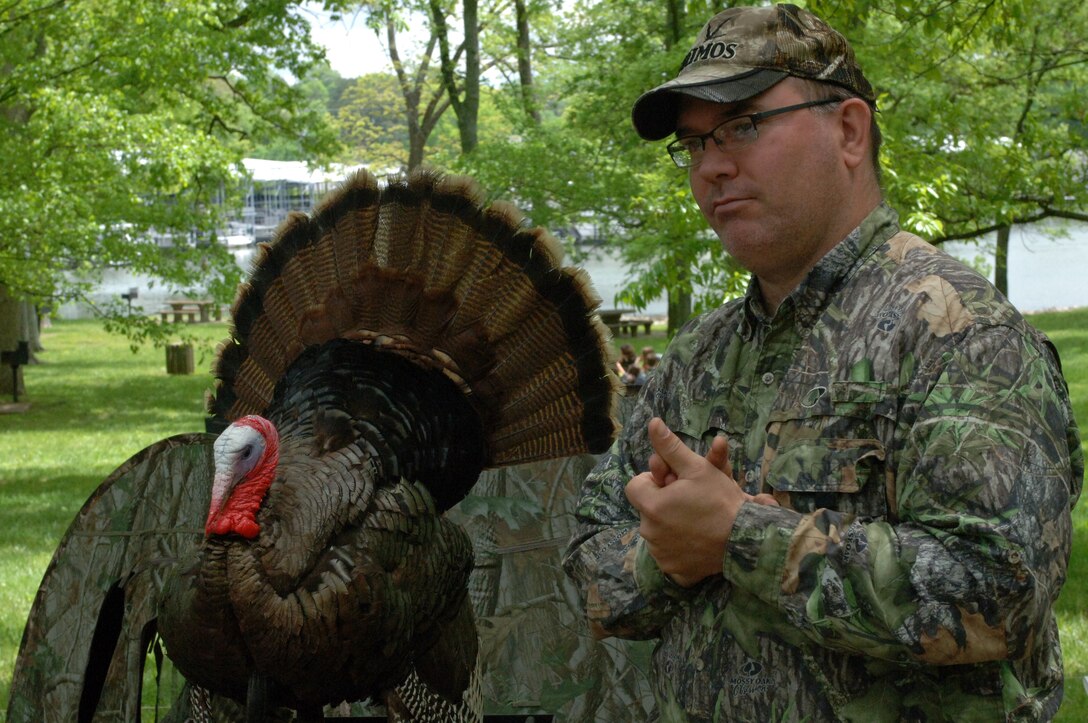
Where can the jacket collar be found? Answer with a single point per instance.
(808, 300)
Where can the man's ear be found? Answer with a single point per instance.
(856, 119)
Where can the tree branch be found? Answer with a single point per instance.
(216, 120)
(1044, 213)
(237, 94)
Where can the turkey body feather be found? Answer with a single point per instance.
(355, 572)
(391, 346)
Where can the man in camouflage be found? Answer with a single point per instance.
(847, 495)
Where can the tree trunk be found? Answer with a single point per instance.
(413, 87)
(674, 32)
(679, 302)
(417, 140)
(465, 101)
(18, 322)
(525, 66)
(179, 359)
(1001, 260)
(679, 310)
(470, 110)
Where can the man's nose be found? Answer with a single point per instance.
(716, 162)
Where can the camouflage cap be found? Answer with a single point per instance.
(742, 52)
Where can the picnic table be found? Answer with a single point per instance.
(624, 322)
(190, 309)
(611, 318)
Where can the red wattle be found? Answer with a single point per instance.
(238, 514)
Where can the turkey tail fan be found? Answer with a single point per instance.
(422, 267)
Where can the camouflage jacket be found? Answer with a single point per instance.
(918, 436)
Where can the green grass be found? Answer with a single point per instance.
(1069, 332)
(94, 403)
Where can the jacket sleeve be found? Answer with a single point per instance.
(984, 475)
(624, 592)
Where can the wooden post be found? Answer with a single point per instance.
(179, 359)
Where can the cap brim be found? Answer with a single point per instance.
(654, 113)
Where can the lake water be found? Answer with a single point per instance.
(1045, 272)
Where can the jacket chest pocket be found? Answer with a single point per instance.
(830, 451)
(698, 425)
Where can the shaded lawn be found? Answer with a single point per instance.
(94, 404)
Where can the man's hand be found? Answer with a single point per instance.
(687, 504)
(717, 455)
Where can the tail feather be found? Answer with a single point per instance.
(422, 267)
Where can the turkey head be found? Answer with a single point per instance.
(246, 454)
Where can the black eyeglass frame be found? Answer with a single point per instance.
(677, 150)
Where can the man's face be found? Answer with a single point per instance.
(773, 203)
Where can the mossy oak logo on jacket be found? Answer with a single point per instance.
(751, 680)
(888, 319)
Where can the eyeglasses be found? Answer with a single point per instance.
(730, 135)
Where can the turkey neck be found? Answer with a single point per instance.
(353, 420)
